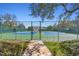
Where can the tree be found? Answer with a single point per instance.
(9, 20)
(0, 19)
(49, 28)
(21, 27)
(66, 24)
(47, 10)
(9, 17)
(29, 28)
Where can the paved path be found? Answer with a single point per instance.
(36, 48)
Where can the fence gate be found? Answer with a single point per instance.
(36, 31)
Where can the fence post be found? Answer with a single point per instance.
(14, 30)
(40, 31)
(0, 29)
(31, 31)
(77, 29)
(58, 31)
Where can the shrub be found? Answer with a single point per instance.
(54, 47)
(12, 48)
(66, 48)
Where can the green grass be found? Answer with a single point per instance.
(66, 48)
(17, 47)
(54, 48)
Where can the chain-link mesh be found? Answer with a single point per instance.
(37, 30)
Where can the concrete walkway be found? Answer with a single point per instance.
(36, 48)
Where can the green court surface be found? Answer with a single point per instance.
(13, 36)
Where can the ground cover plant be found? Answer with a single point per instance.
(66, 48)
(12, 48)
(17, 47)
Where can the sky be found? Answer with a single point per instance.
(22, 12)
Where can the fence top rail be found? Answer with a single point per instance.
(37, 21)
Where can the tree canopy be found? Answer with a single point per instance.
(8, 23)
(47, 10)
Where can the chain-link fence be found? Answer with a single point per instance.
(38, 30)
